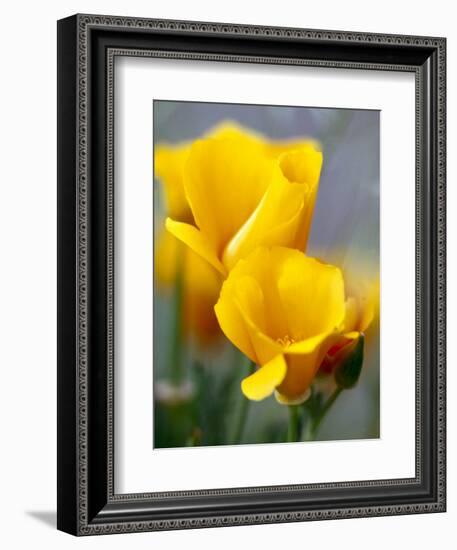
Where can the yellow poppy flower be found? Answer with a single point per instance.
(243, 192)
(285, 311)
(202, 279)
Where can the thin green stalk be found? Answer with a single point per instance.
(315, 423)
(293, 432)
(241, 419)
(176, 369)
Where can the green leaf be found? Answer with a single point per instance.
(347, 373)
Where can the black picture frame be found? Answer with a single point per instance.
(87, 45)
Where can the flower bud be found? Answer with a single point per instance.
(347, 372)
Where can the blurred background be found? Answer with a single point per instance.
(206, 407)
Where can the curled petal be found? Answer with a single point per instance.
(302, 165)
(283, 216)
(224, 181)
(191, 236)
(263, 382)
(244, 302)
(273, 223)
(234, 327)
(303, 361)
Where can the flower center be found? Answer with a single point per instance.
(285, 341)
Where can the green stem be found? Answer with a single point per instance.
(244, 406)
(315, 423)
(176, 326)
(293, 431)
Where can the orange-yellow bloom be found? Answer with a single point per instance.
(285, 311)
(243, 192)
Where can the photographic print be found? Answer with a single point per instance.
(266, 274)
(251, 271)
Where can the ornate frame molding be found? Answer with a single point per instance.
(79, 45)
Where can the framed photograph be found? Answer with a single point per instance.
(251, 274)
